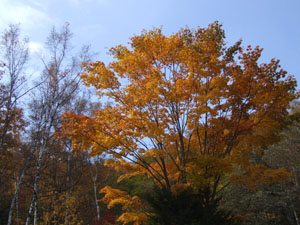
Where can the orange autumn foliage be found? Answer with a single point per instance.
(186, 109)
(132, 205)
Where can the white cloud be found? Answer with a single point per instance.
(28, 15)
(42, 4)
(35, 47)
(78, 2)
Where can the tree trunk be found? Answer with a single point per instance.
(296, 217)
(67, 217)
(15, 197)
(35, 213)
(96, 200)
(17, 208)
(94, 178)
(33, 205)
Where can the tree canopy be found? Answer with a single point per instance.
(185, 110)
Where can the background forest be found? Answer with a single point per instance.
(153, 150)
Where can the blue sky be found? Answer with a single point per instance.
(271, 24)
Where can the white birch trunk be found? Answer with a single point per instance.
(33, 205)
(35, 213)
(96, 200)
(94, 178)
(16, 194)
(296, 217)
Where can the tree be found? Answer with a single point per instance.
(185, 110)
(276, 203)
(166, 208)
(286, 154)
(14, 52)
(94, 176)
(52, 97)
(14, 56)
(40, 175)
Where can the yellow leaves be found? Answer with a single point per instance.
(65, 204)
(183, 105)
(131, 205)
(136, 218)
(206, 168)
(121, 165)
(109, 162)
(226, 132)
(128, 175)
(122, 201)
(99, 76)
(79, 128)
(129, 169)
(114, 196)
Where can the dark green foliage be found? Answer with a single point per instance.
(185, 208)
(4, 207)
(138, 185)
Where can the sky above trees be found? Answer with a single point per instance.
(273, 25)
(191, 115)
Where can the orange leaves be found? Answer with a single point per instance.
(136, 218)
(62, 205)
(115, 196)
(185, 108)
(129, 168)
(131, 205)
(107, 80)
(260, 174)
(207, 168)
(79, 128)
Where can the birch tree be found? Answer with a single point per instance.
(52, 97)
(93, 167)
(14, 56)
(14, 52)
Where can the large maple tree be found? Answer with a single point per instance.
(185, 109)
